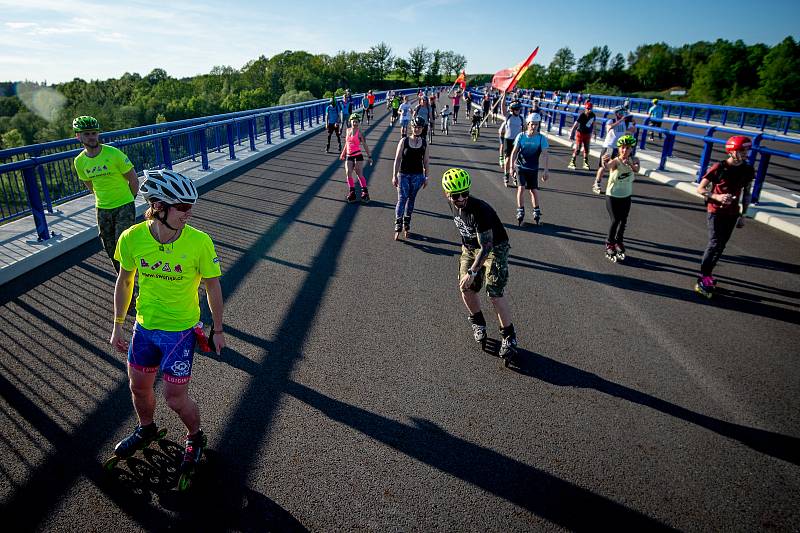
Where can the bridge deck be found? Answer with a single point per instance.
(353, 398)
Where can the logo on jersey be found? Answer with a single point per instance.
(465, 231)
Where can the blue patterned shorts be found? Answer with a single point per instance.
(171, 351)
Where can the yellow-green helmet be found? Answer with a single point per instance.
(456, 180)
(626, 140)
(85, 123)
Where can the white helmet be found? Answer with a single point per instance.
(533, 118)
(168, 186)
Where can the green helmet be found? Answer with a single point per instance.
(355, 116)
(85, 123)
(456, 180)
(626, 140)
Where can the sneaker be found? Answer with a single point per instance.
(571, 165)
(479, 332)
(596, 188)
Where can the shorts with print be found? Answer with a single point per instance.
(495, 269)
(171, 351)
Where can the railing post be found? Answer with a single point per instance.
(674, 137)
(165, 155)
(644, 134)
(310, 116)
(724, 116)
(216, 139)
(190, 138)
(561, 123)
(291, 121)
(708, 115)
(268, 128)
(35, 203)
(741, 119)
(320, 110)
(301, 119)
(280, 123)
(694, 112)
(231, 145)
(666, 149)
(251, 133)
(45, 190)
(763, 122)
(761, 173)
(751, 158)
(705, 157)
(203, 149)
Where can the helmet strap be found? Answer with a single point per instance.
(163, 218)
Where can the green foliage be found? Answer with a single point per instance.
(294, 97)
(11, 139)
(780, 75)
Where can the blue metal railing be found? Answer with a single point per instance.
(670, 131)
(780, 121)
(40, 175)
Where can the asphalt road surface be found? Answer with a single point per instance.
(353, 398)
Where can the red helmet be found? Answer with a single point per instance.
(736, 143)
(589, 105)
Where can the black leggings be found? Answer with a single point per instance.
(618, 209)
(720, 229)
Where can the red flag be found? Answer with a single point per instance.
(461, 80)
(506, 79)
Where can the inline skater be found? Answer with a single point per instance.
(109, 174)
(468, 104)
(423, 110)
(456, 105)
(484, 257)
(582, 131)
(511, 127)
(395, 106)
(486, 103)
(446, 119)
(333, 124)
(622, 172)
(409, 176)
(171, 258)
(475, 130)
(389, 98)
(528, 147)
(405, 116)
(370, 105)
(656, 113)
(722, 187)
(365, 107)
(616, 127)
(351, 154)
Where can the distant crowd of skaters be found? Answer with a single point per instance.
(171, 257)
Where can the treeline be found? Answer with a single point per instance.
(32, 113)
(722, 72)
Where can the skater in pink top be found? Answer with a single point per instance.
(352, 156)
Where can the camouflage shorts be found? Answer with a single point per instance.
(111, 223)
(495, 269)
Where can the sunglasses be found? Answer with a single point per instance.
(457, 195)
(182, 207)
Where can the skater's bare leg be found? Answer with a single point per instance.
(177, 396)
(472, 300)
(502, 309)
(144, 398)
(534, 198)
(520, 196)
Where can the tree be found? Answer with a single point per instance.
(380, 59)
(780, 75)
(418, 58)
(653, 65)
(402, 68)
(11, 139)
(432, 74)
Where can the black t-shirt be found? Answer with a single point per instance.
(477, 217)
(586, 122)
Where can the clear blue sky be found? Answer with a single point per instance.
(57, 40)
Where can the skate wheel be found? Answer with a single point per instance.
(161, 434)
(111, 463)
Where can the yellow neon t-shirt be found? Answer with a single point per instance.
(169, 274)
(106, 172)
